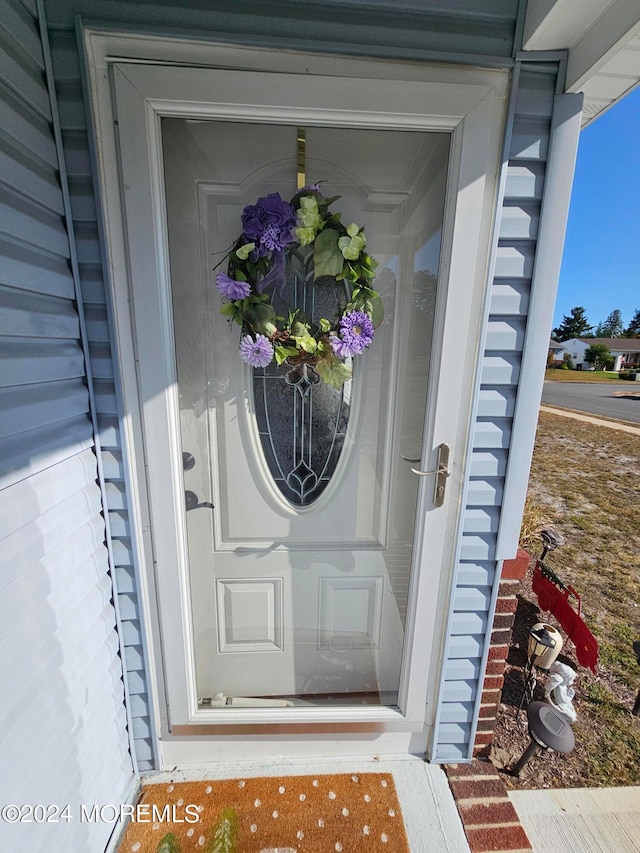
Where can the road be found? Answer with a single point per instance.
(595, 398)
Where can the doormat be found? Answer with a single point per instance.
(282, 814)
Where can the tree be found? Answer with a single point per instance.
(599, 355)
(633, 329)
(574, 325)
(612, 326)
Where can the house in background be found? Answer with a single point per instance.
(154, 568)
(557, 350)
(625, 351)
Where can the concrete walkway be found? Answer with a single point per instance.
(581, 820)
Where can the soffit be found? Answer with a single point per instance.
(602, 38)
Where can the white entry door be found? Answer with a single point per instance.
(300, 499)
(301, 565)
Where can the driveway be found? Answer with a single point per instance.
(595, 398)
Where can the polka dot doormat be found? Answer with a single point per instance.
(287, 814)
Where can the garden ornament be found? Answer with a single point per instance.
(558, 690)
(553, 597)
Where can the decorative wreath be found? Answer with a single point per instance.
(270, 228)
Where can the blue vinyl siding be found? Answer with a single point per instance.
(478, 572)
(473, 31)
(63, 722)
(79, 169)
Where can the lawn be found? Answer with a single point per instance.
(585, 482)
(553, 374)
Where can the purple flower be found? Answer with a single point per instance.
(230, 288)
(340, 348)
(258, 352)
(269, 223)
(356, 333)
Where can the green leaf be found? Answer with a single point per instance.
(283, 353)
(327, 257)
(299, 330)
(224, 833)
(325, 325)
(306, 342)
(377, 311)
(333, 371)
(168, 844)
(233, 311)
(261, 317)
(243, 252)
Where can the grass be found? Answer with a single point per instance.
(585, 481)
(613, 742)
(554, 374)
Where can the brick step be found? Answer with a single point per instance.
(490, 821)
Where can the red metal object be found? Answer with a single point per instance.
(553, 597)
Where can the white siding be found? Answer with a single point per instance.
(63, 726)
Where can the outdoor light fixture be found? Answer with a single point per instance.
(548, 729)
(544, 645)
(543, 648)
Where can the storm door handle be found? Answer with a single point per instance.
(441, 474)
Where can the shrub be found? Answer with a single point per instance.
(599, 355)
(534, 518)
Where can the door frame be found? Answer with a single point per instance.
(468, 103)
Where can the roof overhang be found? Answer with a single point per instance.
(602, 38)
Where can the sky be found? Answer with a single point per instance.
(601, 261)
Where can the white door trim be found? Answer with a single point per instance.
(468, 103)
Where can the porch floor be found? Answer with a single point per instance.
(428, 808)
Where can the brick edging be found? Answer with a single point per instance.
(489, 819)
(513, 571)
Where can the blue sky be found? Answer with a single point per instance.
(601, 261)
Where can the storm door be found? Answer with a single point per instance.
(296, 568)
(299, 497)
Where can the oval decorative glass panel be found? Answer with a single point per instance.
(302, 422)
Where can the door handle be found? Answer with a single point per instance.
(441, 473)
(192, 501)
